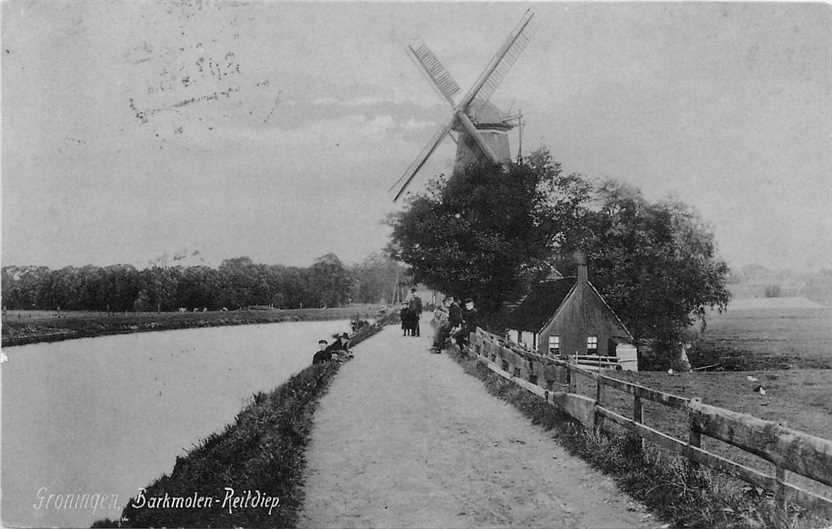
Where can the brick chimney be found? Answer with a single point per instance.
(580, 260)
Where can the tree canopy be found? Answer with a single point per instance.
(655, 263)
(481, 232)
(237, 282)
(490, 233)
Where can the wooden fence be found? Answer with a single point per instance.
(788, 450)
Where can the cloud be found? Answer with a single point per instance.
(405, 112)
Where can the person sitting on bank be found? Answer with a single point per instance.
(442, 336)
(339, 346)
(454, 313)
(323, 354)
(469, 323)
(345, 342)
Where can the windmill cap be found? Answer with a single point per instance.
(486, 112)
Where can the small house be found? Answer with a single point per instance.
(568, 318)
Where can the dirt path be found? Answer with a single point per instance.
(405, 438)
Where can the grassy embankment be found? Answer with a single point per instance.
(25, 327)
(263, 450)
(679, 493)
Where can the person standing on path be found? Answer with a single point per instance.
(404, 315)
(415, 305)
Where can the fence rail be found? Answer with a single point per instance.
(555, 380)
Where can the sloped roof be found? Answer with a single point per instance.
(607, 306)
(541, 303)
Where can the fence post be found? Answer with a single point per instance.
(599, 419)
(638, 409)
(694, 436)
(781, 512)
(638, 415)
(571, 379)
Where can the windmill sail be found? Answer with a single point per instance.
(494, 80)
(417, 164)
(502, 62)
(434, 69)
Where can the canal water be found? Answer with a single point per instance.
(108, 415)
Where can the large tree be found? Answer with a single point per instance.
(655, 263)
(481, 232)
(329, 281)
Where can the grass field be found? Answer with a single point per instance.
(786, 349)
(767, 336)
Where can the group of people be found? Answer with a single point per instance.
(339, 348)
(410, 314)
(462, 321)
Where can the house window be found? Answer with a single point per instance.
(528, 339)
(591, 345)
(554, 345)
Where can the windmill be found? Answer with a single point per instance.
(481, 128)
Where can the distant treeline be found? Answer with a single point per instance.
(234, 284)
(759, 281)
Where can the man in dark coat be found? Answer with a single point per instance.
(470, 319)
(404, 315)
(454, 314)
(322, 355)
(415, 305)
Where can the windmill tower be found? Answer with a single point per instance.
(482, 130)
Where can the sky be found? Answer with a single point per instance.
(273, 130)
